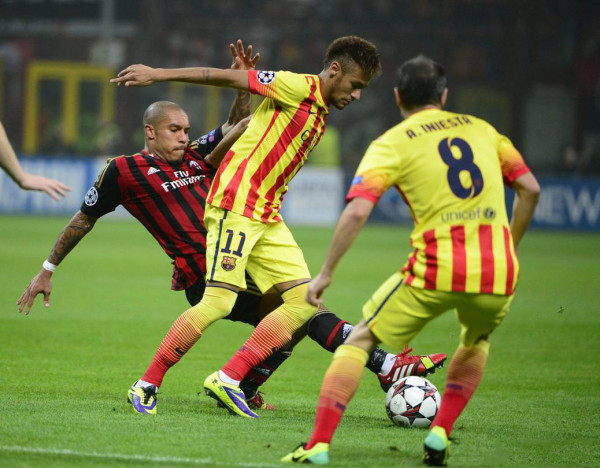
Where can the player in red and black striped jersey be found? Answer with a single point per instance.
(167, 198)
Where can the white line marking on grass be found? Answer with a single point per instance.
(122, 457)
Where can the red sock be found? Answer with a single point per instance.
(339, 385)
(464, 374)
(183, 334)
(273, 332)
(187, 329)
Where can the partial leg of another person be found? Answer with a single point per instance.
(329, 331)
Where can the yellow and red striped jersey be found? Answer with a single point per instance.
(255, 173)
(449, 168)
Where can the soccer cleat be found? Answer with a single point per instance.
(231, 396)
(405, 365)
(318, 455)
(435, 447)
(257, 402)
(143, 399)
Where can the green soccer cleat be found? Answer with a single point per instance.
(435, 447)
(318, 455)
(231, 396)
(143, 399)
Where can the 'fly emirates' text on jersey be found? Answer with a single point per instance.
(168, 199)
(255, 173)
(449, 168)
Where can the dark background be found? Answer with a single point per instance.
(531, 68)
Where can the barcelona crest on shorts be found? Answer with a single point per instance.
(228, 263)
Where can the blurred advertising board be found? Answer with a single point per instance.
(316, 196)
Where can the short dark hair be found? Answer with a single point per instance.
(355, 49)
(421, 81)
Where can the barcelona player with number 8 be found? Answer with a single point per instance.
(450, 169)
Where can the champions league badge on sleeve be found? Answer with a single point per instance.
(91, 197)
(266, 77)
(228, 263)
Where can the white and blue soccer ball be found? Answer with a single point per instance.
(412, 402)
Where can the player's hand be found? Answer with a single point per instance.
(52, 187)
(242, 60)
(316, 288)
(241, 126)
(40, 284)
(136, 75)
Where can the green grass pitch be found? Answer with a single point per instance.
(65, 370)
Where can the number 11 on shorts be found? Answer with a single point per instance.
(227, 248)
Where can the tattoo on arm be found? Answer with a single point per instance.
(70, 236)
(240, 108)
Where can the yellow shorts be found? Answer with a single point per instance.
(397, 311)
(235, 243)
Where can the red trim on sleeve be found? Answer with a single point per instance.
(360, 192)
(253, 81)
(514, 174)
(256, 87)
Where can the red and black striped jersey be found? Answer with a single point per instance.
(168, 199)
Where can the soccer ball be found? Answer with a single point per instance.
(412, 402)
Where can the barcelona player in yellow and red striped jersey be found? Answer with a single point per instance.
(245, 231)
(450, 169)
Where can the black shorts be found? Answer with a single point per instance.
(250, 307)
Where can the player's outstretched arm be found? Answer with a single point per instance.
(10, 164)
(217, 155)
(527, 194)
(41, 283)
(143, 75)
(351, 221)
